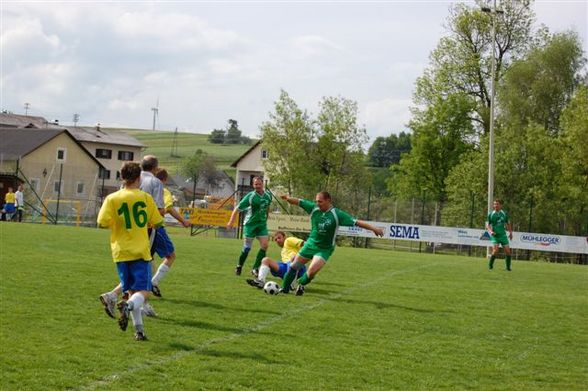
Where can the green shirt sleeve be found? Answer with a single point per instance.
(345, 219)
(244, 203)
(308, 206)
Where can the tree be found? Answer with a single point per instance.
(461, 62)
(540, 163)
(233, 135)
(339, 151)
(387, 150)
(288, 137)
(538, 88)
(442, 134)
(574, 176)
(217, 136)
(201, 166)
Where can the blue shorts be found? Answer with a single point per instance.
(9, 208)
(135, 275)
(283, 269)
(162, 245)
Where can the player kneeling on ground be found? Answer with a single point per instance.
(127, 213)
(290, 247)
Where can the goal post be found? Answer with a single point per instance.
(65, 211)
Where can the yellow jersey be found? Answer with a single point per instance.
(168, 200)
(10, 198)
(291, 247)
(127, 213)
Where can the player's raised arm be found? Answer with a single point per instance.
(376, 230)
(290, 200)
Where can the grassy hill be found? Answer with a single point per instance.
(371, 320)
(159, 143)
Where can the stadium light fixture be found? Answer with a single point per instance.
(492, 11)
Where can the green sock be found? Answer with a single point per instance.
(508, 260)
(287, 281)
(243, 256)
(491, 263)
(305, 279)
(260, 256)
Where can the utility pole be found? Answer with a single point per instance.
(27, 106)
(493, 11)
(174, 148)
(155, 113)
(76, 118)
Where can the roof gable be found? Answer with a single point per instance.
(16, 143)
(234, 164)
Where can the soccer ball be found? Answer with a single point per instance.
(271, 288)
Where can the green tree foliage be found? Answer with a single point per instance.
(574, 175)
(217, 136)
(307, 156)
(442, 134)
(201, 166)
(540, 156)
(461, 62)
(538, 88)
(288, 137)
(338, 150)
(233, 135)
(387, 150)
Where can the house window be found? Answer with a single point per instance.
(103, 153)
(34, 183)
(61, 154)
(118, 175)
(125, 155)
(264, 154)
(80, 188)
(56, 188)
(104, 173)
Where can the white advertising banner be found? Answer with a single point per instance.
(450, 235)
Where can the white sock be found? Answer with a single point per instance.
(161, 271)
(135, 303)
(263, 272)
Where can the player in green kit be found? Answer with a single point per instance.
(496, 226)
(325, 220)
(256, 205)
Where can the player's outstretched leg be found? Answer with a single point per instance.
(108, 300)
(243, 256)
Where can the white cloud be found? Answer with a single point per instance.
(385, 116)
(209, 62)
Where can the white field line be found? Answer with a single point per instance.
(107, 380)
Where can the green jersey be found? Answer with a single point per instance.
(498, 221)
(256, 206)
(324, 225)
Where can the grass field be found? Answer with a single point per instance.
(159, 143)
(372, 320)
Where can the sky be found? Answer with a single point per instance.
(207, 62)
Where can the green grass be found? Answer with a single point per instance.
(372, 320)
(159, 143)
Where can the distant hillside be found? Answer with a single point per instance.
(159, 143)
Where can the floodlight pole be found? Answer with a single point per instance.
(492, 12)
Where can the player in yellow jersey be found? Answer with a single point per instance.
(127, 213)
(290, 247)
(9, 206)
(163, 245)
